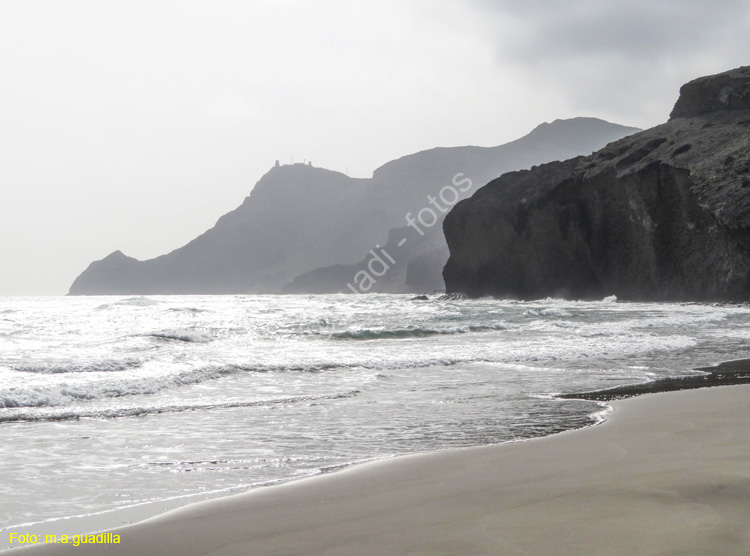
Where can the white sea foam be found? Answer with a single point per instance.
(181, 335)
(52, 413)
(59, 367)
(149, 398)
(138, 302)
(69, 391)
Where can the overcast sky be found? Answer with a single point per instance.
(134, 125)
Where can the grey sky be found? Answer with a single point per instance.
(134, 125)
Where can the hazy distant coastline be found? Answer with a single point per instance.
(300, 218)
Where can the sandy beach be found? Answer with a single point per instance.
(667, 474)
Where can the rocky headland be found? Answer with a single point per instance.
(660, 215)
(312, 230)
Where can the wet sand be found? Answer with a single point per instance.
(667, 474)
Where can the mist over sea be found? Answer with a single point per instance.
(111, 402)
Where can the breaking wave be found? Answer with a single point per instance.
(84, 413)
(368, 334)
(138, 302)
(107, 365)
(189, 336)
(397, 334)
(64, 394)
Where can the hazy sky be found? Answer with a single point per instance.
(134, 125)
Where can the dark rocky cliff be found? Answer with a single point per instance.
(660, 215)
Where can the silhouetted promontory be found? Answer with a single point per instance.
(319, 226)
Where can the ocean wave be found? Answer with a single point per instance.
(73, 393)
(316, 367)
(452, 297)
(403, 333)
(548, 312)
(107, 365)
(189, 336)
(489, 327)
(65, 394)
(138, 302)
(366, 364)
(369, 334)
(116, 413)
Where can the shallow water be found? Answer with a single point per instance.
(110, 402)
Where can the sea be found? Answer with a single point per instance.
(113, 403)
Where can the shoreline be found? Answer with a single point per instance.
(128, 516)
(727, 373)
(675, 458)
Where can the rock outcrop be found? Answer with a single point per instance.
(299, 218)
(661, 215)
(725, 91)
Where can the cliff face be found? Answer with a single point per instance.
(660, 215)
(725, 91)
(299, 218)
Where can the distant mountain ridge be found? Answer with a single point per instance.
(319, 225)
